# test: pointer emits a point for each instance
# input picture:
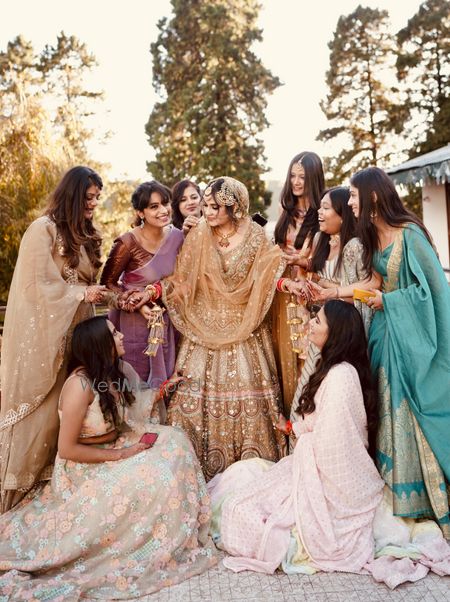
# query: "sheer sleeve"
(354, 271)
(117, 261)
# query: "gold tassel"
(297, 320)
(155, 327)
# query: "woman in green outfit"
(409, 344)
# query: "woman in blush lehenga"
(122, 516)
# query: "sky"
(119, 34)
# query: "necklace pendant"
(224, 242)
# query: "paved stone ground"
(221, 585)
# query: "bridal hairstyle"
(94, 349)
(66, 208)
(177, 194)
(346, 342)
(373, 183)
(140, 199)
(339, 200)
(313, 192)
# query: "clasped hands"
(133, 299)
(95, 293)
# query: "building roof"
(430, 167)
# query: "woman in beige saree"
(52, 289)
(218, 298)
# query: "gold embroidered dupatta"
(215, 303)
(45, 302)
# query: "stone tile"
(223, 586)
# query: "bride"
(218, 298)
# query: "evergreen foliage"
(423, 66)
(213, 89)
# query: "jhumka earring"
(142, 223)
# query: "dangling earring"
(373, 215)
(142, 223)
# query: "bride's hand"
(146, 312)
(281, 425)
(299, 289)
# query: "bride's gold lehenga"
(219, 302)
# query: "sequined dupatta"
(214, 304)
(45, 301)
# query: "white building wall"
(435, 219)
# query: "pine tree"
(213, 90)
(64, 67)
(37, 92)
(423, 66)
(30, 162)
(362, 109)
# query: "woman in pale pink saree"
(322, 508)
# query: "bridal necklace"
(223, 238)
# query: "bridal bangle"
(155, 290)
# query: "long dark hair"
(94, 349)
(177, 194)
(388, 206)
(346, 342)
(313, 191)
(339, 200)
(66, 208)
(140, 198)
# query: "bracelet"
(288, 427)
(280, 285)
(155, 291)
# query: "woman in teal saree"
(409, 345)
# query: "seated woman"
(336, 261)
(119, 518)
(315, 509)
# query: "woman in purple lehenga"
(138, 258)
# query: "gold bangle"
(284, 287)
(151, 290)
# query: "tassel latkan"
(155, 327)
